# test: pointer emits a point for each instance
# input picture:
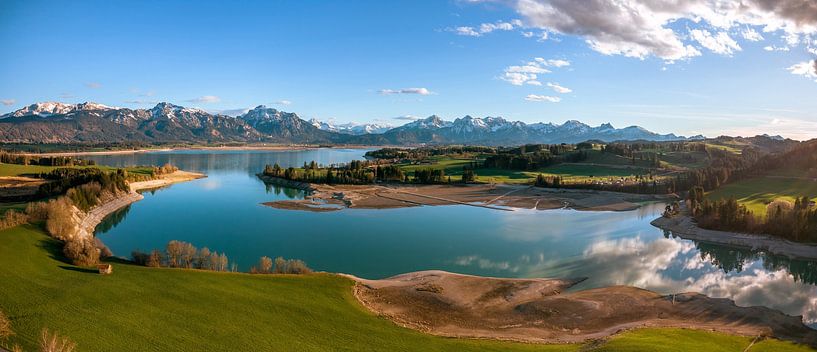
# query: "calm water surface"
(224, 212)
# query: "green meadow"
(755, 193)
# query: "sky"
(712, 67)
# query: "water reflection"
(290, 193)
(670, 265)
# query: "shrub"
(155, 259)
(12, 218)
(81, 252)
(140, 257)
(37, 211)
(52, 342)
(60, 223)
(5, 326)
(291, 266)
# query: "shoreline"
(87, 222)
(685, 227)
(541, 311)
(504, 197)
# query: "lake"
(224, 213)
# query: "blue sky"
(682, 70)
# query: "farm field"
(755, 193)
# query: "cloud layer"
(644, 28)
(206, 99)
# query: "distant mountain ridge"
(52, 122)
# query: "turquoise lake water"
(224, 213)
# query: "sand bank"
(502, 196)
(538, 310)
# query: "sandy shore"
(538, 310)
(501, 196)
(685, 227)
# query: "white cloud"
(232, 112)
(486, 28)
(283, 102)
(529, 72)
(8, 102)
(407, 118)
(807, 69)
(542, 98)
(93, 85)
(776, 48)
(420, 91)
(467, 31)
(141, 102)
(559, 89)
(206, 99)
(643, 28)
(751, 35)
(527, 34)
(554, 63)
(720, 43)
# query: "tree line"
(180, 254)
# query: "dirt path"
(539, 310)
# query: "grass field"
(570, 172)
(146, 309)
(756, 193)
(21, 170)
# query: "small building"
(105, 269)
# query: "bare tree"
(203, 259)
(174, 253)
(280, 265)
(265, 264)
(82, 252)
(52, 342)
(5, 326)
(155, 259)
(223, 262)
(213, 261)
(188, 254)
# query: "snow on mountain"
(45, 109)
(431, 122)
(352, 128)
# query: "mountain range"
(91, 123)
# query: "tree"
(155, 259)
(174, 253)
(265, 265)
(52, 342)
(188, 255)
(280, 265)
(82, 252)
(203, 261)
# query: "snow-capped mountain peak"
(49, 108)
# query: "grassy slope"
(756, 192)
(19, 170)
(140, 308)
